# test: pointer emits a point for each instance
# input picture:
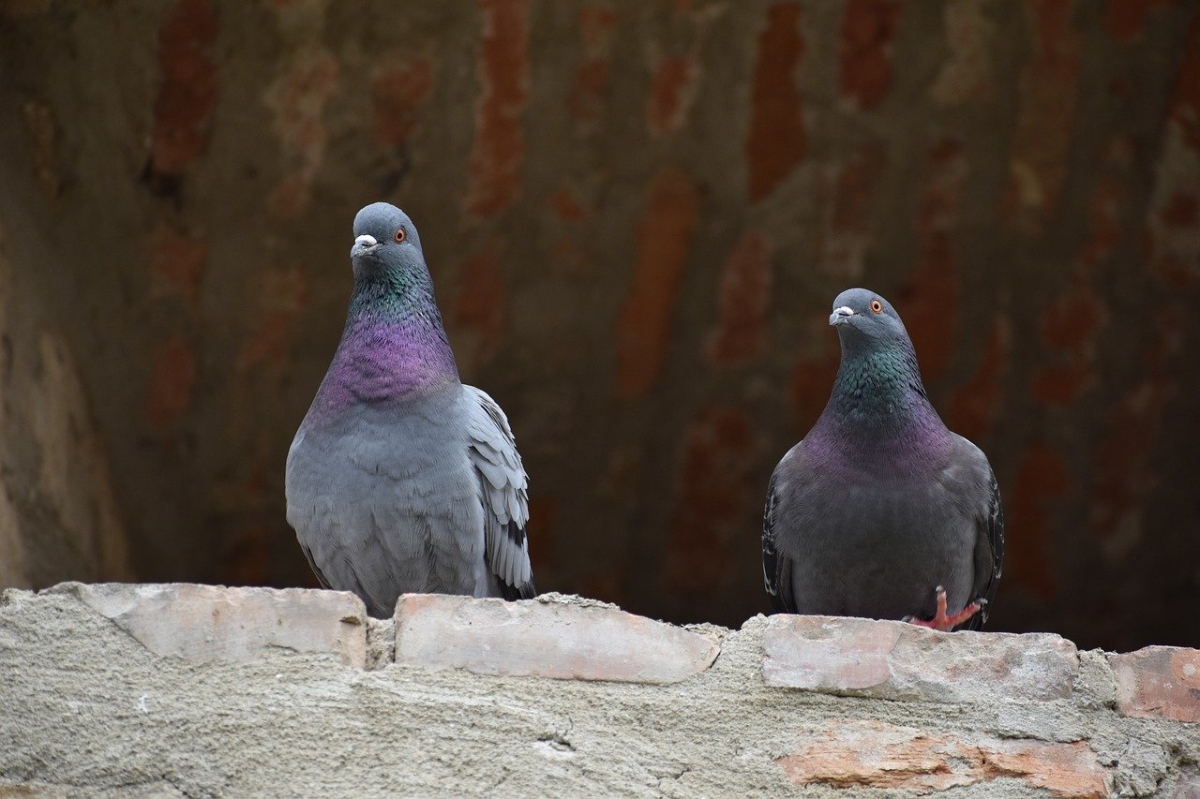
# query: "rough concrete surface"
(636, 215)
(88, 710)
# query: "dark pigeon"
(401, 479)
(881, 511)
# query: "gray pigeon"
(881, 511)
(400, 478)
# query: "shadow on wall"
(636, 217)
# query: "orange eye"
(876, 306)
(400, 235)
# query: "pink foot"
(945, 623)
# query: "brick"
(976, 403)
(743, 303)
(172, 381)
(898, 661)
(776, 139)
(499, 146)
(178, 261)
(400, 87)
(663, 241)
(213, 623)
(1049, 86)
(1158, 682)
(714, 497)
(935, 284)
(672, 91)
(872, 754)
(189, 85)
(865, 50)
(480, 300)
(596, 24)
(545, 638)
(1042, 480)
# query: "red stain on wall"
(1182, 211)
(811, 382)
(596, 24)
(776, 140)
(975, 405)
(1042, 478)
(172, 380)
(1071, 325)
(282, 295)
(568, 206)
(1049, 83)
(865, 50)
(480, 300)
(929, 302)
(1185, 111)
(189, 85)
(663, 239)
(714, 499)
(1125, 471)
(1126, 19)
(671, 90)
(504, 76)
(399, 88)
(743, 300)
(1172, 243)
(178, 259)
(845, 233)
(298, 98)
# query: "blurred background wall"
(636, 215)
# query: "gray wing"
(777, 567)
(504, 492)
(989, 542)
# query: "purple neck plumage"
(393, 348)
(879, 419)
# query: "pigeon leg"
(943, 622)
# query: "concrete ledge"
(893, 660)
(121, 691)
(545, 638)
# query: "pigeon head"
(866, 320)
(386, 245)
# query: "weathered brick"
(663, 241)
(1042, 481)
(872, 754)
(172, 379)
(898, 661)
(214, 623)
(1158, 682)
(499, 144)
(672, 92)
(743, 302)
(545, 638)
(189, 85)
(865, 50)
(776, 139)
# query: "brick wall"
(170, 690)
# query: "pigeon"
(881, 511)
(401, 479)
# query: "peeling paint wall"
(636, 216)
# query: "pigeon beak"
(363, 245)
(840, 315)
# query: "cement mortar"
(85, 705)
